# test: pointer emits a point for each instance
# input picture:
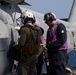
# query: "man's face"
(49, 23)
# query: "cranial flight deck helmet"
(27, 16)
(49, 17)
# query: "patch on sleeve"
(62, 31)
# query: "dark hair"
(49, 17)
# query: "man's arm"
(22, 38)
(41, 48)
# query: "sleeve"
(22, 38)
(62, 37)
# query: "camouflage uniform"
(29, 43)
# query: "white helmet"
(27, 15)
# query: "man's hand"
(40, 50)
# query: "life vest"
(52, 36)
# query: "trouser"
(39, 64)
(8, 69)
(58, 62)
(28, 66)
